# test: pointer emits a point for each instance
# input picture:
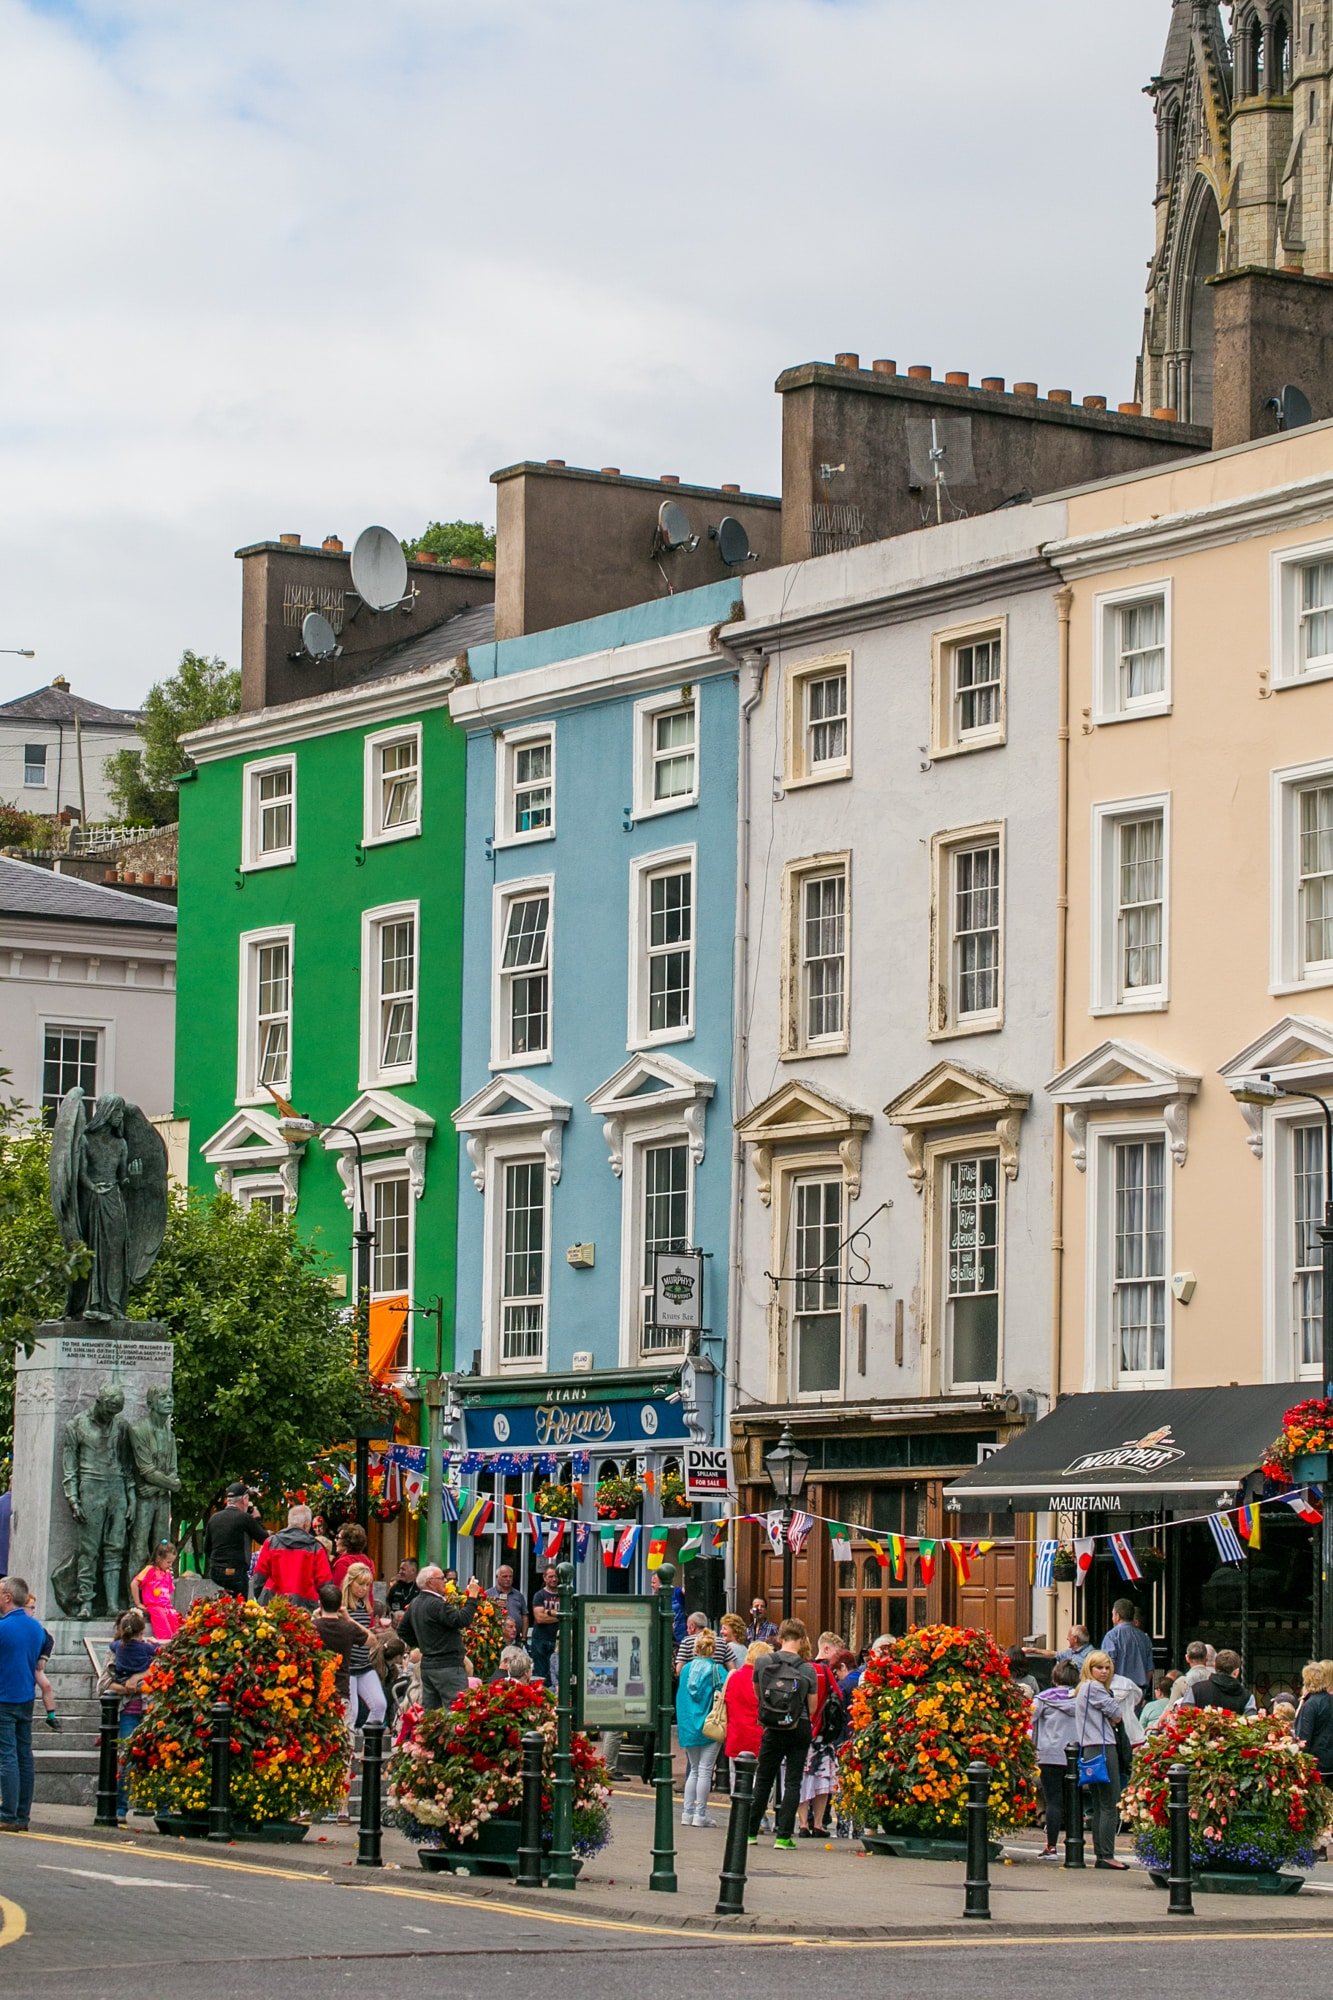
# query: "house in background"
(53, 751)
(87, 990)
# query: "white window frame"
(646, 716)
(1109, 704)
(796, 1041)
(249, 1090)
(391, 1167)
(1108, 996)
(1287, 567)
(1101, 1365)
(944, 1158)
(634, 1296)
(675, 860)
(373, 923)
(105, 1030)
(246, 1189)
(252, 859)
(809, 1174)
(507, 745)
(520, 1150)
(949, 738)
(1290, 973)
(801, 769)
(503, 895)
(374, 833)
(946, 1023)
(1281, 1336)
(36, 784)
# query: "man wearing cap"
(226, 1542)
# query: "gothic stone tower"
(1244, 194)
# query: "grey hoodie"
(1054, 1726)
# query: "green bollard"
(664, 1819)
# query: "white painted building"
(53, 751)
(896, 925)
(87, 990)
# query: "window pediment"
(512, 1105)
(802, 1115)
(644, 1088)
(384, 1124)
(1297, 1050)
(951, 1098)
(1119, 1076)
(253, 1142)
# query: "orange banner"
(388, 1323)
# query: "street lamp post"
(1263, 1090)
(787, 1466)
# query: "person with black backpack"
(828, 1733)
(786, 1690)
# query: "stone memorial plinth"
(72, 1362)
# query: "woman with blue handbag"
(1097, 1712)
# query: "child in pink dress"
(153, 1591)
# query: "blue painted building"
(599, 928)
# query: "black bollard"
(219, 1746)
(530, 1814)
(976, 1888)
(731, 1884)
(1180, 1881)
(372, 1816)
(1073, 1811)
(108, 1747)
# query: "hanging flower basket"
(924, 1710)
(1306, 1434)
(554, 1501)
(1256, 1803)
(671, 1494)
(1064, 1569)
(618, 1499)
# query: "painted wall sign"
(559, 1426)
(1144, 1455)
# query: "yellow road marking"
(573, 1920)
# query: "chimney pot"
(610, 472)
(460, 562)
(847, 360)
(958, 378)
(884, 367)
(1059, 395)
(1165, 416)
(668, 479)
(995, 383)
(731, 489)
(1130, 409)
(555, 461)
(488, 566)
(1094, 402)
(1025, 388)
(290, 541)
(920, 373)
(331, 545)
(426, 556)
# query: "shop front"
(883, 1471)
(602, 1450)
(1141, 1491)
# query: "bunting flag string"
(961, 1561)
(897, 1551)
(1228, 1542)
(554, 1539)
(840, 1537)
(773, 1528)
(692, 1544)
(657, 1548)
(1303, 1505)
(511, 1523)
(582, 1537)
(926, 1553)
(717, 1538)
(1125, 1560)
(449, 1505)
(1247, 1523)
(798, 1534)
(478, 1514)
(627, 1545)
(880, 1555)
(1085, 1547)
(1045, 1573)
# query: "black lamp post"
(1263, 1090)
(787, 1466)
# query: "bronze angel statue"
(109, 1192)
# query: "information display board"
(615, 1663)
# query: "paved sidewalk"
(823, 1890)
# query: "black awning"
(1116, 1451)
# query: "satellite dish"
(673, 528)
(733, 544)
(1293, 408)
(379, 569)
(318, 636)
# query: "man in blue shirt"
(1129, 1646)
(22, 1639)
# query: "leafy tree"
(200, 691)
(455, 538)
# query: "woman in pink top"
(153, 1591)
(743, 1726)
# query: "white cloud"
(305, 265)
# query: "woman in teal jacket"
(700, 1680)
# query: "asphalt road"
(78, 1918)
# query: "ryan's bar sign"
(1143, 1455)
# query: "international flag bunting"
(582, 1537)
(926, 1551)
(1247, 1521)
(897, 1550)
(625, 1547)
(881, 1556)
(1228, 1545)
(961, 1561)
(1084, 1549)
(773, 1529)
(692, 1544)
(717, 1538)
(840, 1539)
(449, 1505)
(1301, 1503)
(511, 1522)
(607, 1537)
(1045, 1574)
(1125, 1559)
(981, 1549)
(657, 1548)
(798, 1534)
(555, 1535)
(650, 1483)
(478, 1514)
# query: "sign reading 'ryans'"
(705, 1473)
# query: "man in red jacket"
(292, 1563)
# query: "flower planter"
(194, 1826)
(919, 1847)
(494, 1851)
(182, 1826)
(1310, 1469)
(1241, 1882)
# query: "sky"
(301, 265)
